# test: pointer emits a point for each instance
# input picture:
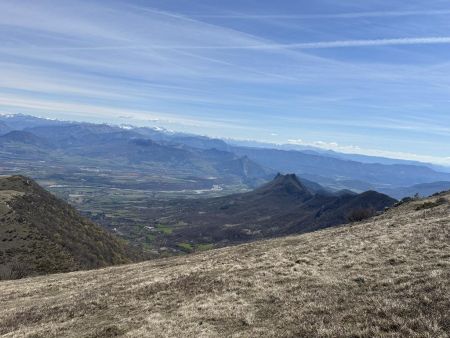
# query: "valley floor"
(388, 277)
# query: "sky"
(369, 77)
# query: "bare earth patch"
(386, 277)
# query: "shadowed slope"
(23, 137)
(281, 207)
(285, 186)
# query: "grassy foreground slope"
(388, 277)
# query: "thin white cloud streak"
(434, 40)
(368, 43)
(356, 15)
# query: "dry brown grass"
(386, 277)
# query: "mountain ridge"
(332, 170)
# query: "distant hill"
(386, 277)
(22, 145)
(24, 137)
(41, 234)
(280, 207)
(4, 128)
(423, 190)
(200, 142)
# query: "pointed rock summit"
(288, 185)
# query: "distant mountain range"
(40, 234)
(330, 153)
(185, 161)
(282, 206)
(129, 147)
(116, 148)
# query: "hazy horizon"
(367, 78)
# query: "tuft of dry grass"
(386, 277)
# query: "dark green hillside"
(41, 234)
(281, 207)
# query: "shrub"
(429, 205)
(361, 214)
(13, 270)
(185, 247)
(403, 201)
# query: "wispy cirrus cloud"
(354, 15)
(433, 40)
(356, 43)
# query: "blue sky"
(370, 77)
